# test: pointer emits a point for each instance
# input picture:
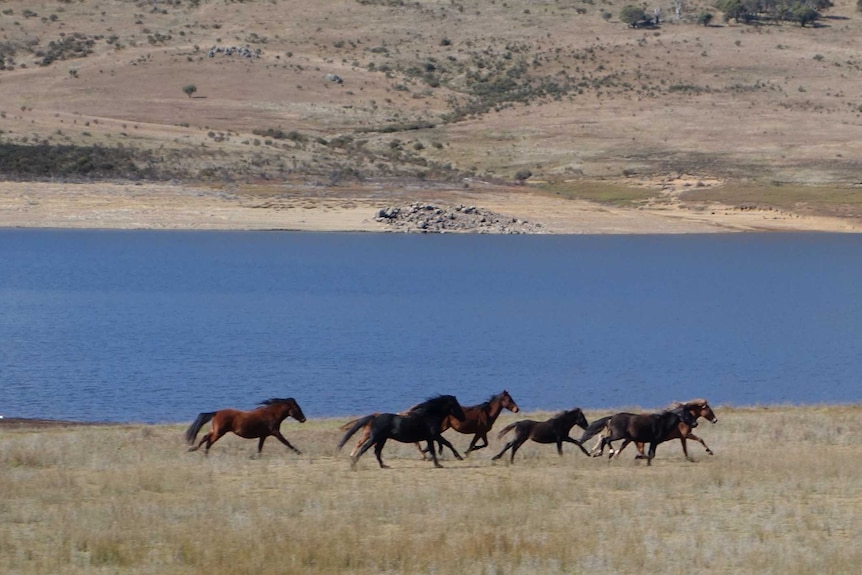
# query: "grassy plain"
(782, 495)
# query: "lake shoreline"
(156, 206)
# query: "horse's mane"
(276, 400)
(696, 401)
(430, 403)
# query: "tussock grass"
(783, 494)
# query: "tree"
(738, 10)
(704, 18)
(523, 175)
(189, 90)
(804, 15)
(632, 15)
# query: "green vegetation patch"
(602, 192)
(41, 160)
(780, 195)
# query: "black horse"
(422, 423)
(652, 428)
(554, 430)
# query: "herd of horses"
(425, 423)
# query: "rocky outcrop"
(431, 219)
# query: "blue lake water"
(150, 326)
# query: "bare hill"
(559, 94)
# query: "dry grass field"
(782, 495)
(457, 91)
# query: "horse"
(650, 428)
(479, 421)
(697, 408)
(422, 423)
(554, 430)
(258, 423)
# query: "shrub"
(632, 15)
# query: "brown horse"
(697, 408)
(650, 428)
(259, 423)
(554, 430)
(479, 419)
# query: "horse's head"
(702, 409)
(284, 407)
(681, 414)
(508, 403)
(571, 417)
(294, 410)
(580, 418)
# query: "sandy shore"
(166, 206)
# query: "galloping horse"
(259, 423)
(480, 419)
(696, 408)
(422, 423)
(650, 428)
(554, 430)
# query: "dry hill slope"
(304, 94)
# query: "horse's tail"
(595, 427)
(193, 429)
(357, 425)
(349, 424)
(506, 429)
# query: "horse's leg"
(639, 445)
(620, 450)
(502, 451)
(421, 451)
(570, 439)
(443, 441)
(277, 434)
(361, 440)
(473, 447)
(699, 440)
(260, 443)
(684, 447)
(203, 440)
(211, 437)
(651, 453)
(519, 441)
(365, 447)
(599, 448)
(377, 451)
(434, 453)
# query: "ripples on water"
(157, 326)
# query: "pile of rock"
(242, 52)
(430, 219)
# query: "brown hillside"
(560, 93)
